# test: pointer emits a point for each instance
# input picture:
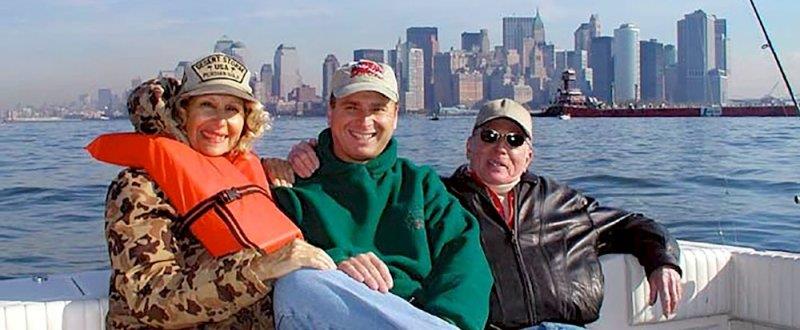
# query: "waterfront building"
(468, 87)
(427, 39)
(105, 101)
(266, 76)
(625, 50)
(303, 93)
(699, 36)
(329, 66)
(497, 83)
(445, 66)
(602, 63)
(413, 89)
(653, 65)
(287, 71)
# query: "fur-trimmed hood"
(153, 110)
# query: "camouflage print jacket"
(160, 278)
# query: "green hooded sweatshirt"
(403, 214)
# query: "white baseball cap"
(364, 75)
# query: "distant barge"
(572, 103)
(751, 111)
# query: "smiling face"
(498, 163)
(214, 123)
(362, 125)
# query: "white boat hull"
(724, 288)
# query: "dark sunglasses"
(491, 136)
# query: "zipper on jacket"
(512, 234)
(521, 267)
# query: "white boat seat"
(724, 288)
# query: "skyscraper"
(477, 42)
(538, 29)
(427, 39)
(721, 44)
(236, 49)
(468, 87)
(267, 77)
(446, 64)
(670, 73)
(652, 61)
(414, 80)
(602, 63)
(585, 33)
(105, 101)
(697, 56)
(515, 30)
(287, 71)
(626, 63)
(670, 55)
(329, 66)
(562, 61)
(397, 58)
(375, 55)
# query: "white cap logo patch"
(218, 66)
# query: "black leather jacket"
(547, 268)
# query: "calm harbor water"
(718, 180)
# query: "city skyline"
(58, 66)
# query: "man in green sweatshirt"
(386, 222)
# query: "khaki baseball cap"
(505, 108)
(364, 75)
(217, 73)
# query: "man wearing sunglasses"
(542, 238)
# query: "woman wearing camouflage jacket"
(165, 279)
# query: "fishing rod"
(778, 61)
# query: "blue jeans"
(554, 326)
(329, 299)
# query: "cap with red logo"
(364, 75)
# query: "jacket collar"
(461, 176)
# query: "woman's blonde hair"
(256, 121)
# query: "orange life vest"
(225, 203)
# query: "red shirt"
(498, 204)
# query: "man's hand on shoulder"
(666, 282)
(279, 172)
(303, 158)
(370, 270)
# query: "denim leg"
(315, 299)
(554, 326)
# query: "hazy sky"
(55, 50)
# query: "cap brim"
(487, 120)
(366, 86)
(219, 89)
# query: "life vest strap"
(221, 198)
